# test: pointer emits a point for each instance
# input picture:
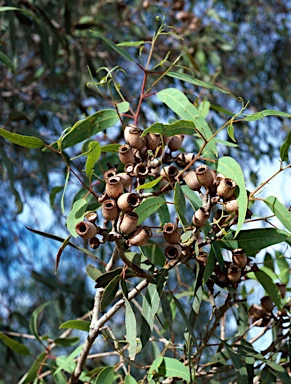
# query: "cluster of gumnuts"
(152, 155)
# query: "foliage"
(166, 288)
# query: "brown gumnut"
(126, 179)
(267, 304)
(191, 180)
(94, 243)
(109, 209)
(233, 273)
(204, 176)
(184, 159)
(114, 187)
(200, 217)
(127, 202)
(282, 289)
(170, 171)
(256, 312)
(174, 251)
(152, 141)
(125, 154)
(171, 233)
(175, 142)
(133, 137)
(226, 188)
(141, 170)
(239, 257)
(91, 217)
(202, 258)
(140, 236)
(128, 223)
(86, 230)
(231, 205)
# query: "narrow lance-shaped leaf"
(33, 371)
(110, 292)
(93, 156)
(130, 323)
(60, 251)
(181, 127)
(148, 207)
(150, 184)
(264, 113)
(180, 203)
(253, 240)
(171, 367)
(284, 268)
(69, 359)
(179, 103)
(239, 365)
(81, 325)
(105, 278)
(230, 168)
(284, 150)
(279, 210)
(33, 322)
(6, 61)
(270, 287)
(23, 141)
(14, 345)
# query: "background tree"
(46, 52)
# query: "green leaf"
(253, 240)
(93, 272)
(284, 268)
(154, 368)
(76, 215)
(181, 127)
(193, 197)
(270, 287)
(88, 127)
(105, 278)
(121, 51)
(123, 106)
(279, 371)
(54, 192)
(147, 207)
(210, 265)
(179, 103)
(67, 341)
(105, 376)
(239, 364)
(269, 262)
(6, 61)
(192, 80)
(284, 150)
(33, 371)
(150, 184)
(66, 363)
(217, 253)
(264, 113)
(60, 251)
(93, 156)
(110, 148)
(204, 108)
(279, 210)
(180, 203)
(5, 9)
(82, 325)
(14, 345)
(171, 367)
(130, 43)
(110, 292)
(230, 132)
(64, 191)
(130, 380)
(230, 168)
(23, 141)
(150, 304)
(130, 323)
(33, 326)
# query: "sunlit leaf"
(253, 240)
(14, 345)
(110, 292)
(123, 106)
(105, 376)
(230, 132)
(284, 268)
(63, 363)
(93, 156)
(279, 210)
(147, 207)
(230, 168)
(284, 150)
(130, 323)
(171, 367)
(181, 127)
(121, 51)
(150, 184)
(130, 43)
(130, 380)
(110, 148)
(82, 325)
(264, 113)
(23, 141)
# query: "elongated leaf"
(93, 156)
(65, 362)
(110, 148)
(192, 196)
(60, 251)
(76, 215)
(105, 376)
(279, 210)
(181, 127)
(192, 80)
(253, 240)
(180, 203)
(82, 325)
(150, 184)
(104, 280)
(88, 127)
(239, 364)
(170, 367)
(230, 132)
(269, 262)
(66, 341)
(6, 61)
(14, 345)
(154, 368)
(130, 380)
(179, 103)
(284, 150)
(230, 168)
(150, 305)
(130, 43)
(211, 261)
(164, 214)
(147, 207)
(24, 10)
(32, 373)
(270, 287)
(121, 51)
(33, 326)
(130, 323)
(279, 371)
(54, 192)
(110, 292)
(93, 272)
(264, 113)
(217, 253)
(284, 268)
(23, 141)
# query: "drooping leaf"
(180, 203)
(154, 253)
(279, 371)
(93, 272)
(270, 287)
(284, 150)
(60, 251)
(164, 214)
(23, 141)
(284, 268)
(192, 80)
(192, 196)
(33, 371)
(64, 191)
(179, 103)
(211, 261)
(230, 168)
(253, 240)
(279, 210)
(150, 304)
(130, 43)
(33, 322)
(147, 207)
(171, 367)
(14, 345)
(6, 61)
(93, 156)
(76, 215)
(239, 364)
(264, 113)
(119, 50)
(66, 341)
(150, 184)
(181, 127)
(88, 127)
(82, 325)
(110, 292)
(230, 132)
(54, 192)
(105, 376)
(130, 323)
(105, 278)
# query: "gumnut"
(140, 236)
(204, 176)
(174, 251)
(86, 230)
(171, 233)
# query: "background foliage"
(48, 54)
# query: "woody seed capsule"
(204, 176)
(191, 180)
(128, 202)
(114, 187)
(171, 233)
(126, 179)
(267, 304)
(226, 188)
(231, 205)
(133, 137)
(109, 210)
(202, 258)
(140, 236)
(200, 217)
(233, 273)
(86, 230)
(171, 171)
(152, 141)
(128, 223)
(239, 257)
(125, 154)
(174, 251)
(175, 142)
(91, 217)
(141, 171)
